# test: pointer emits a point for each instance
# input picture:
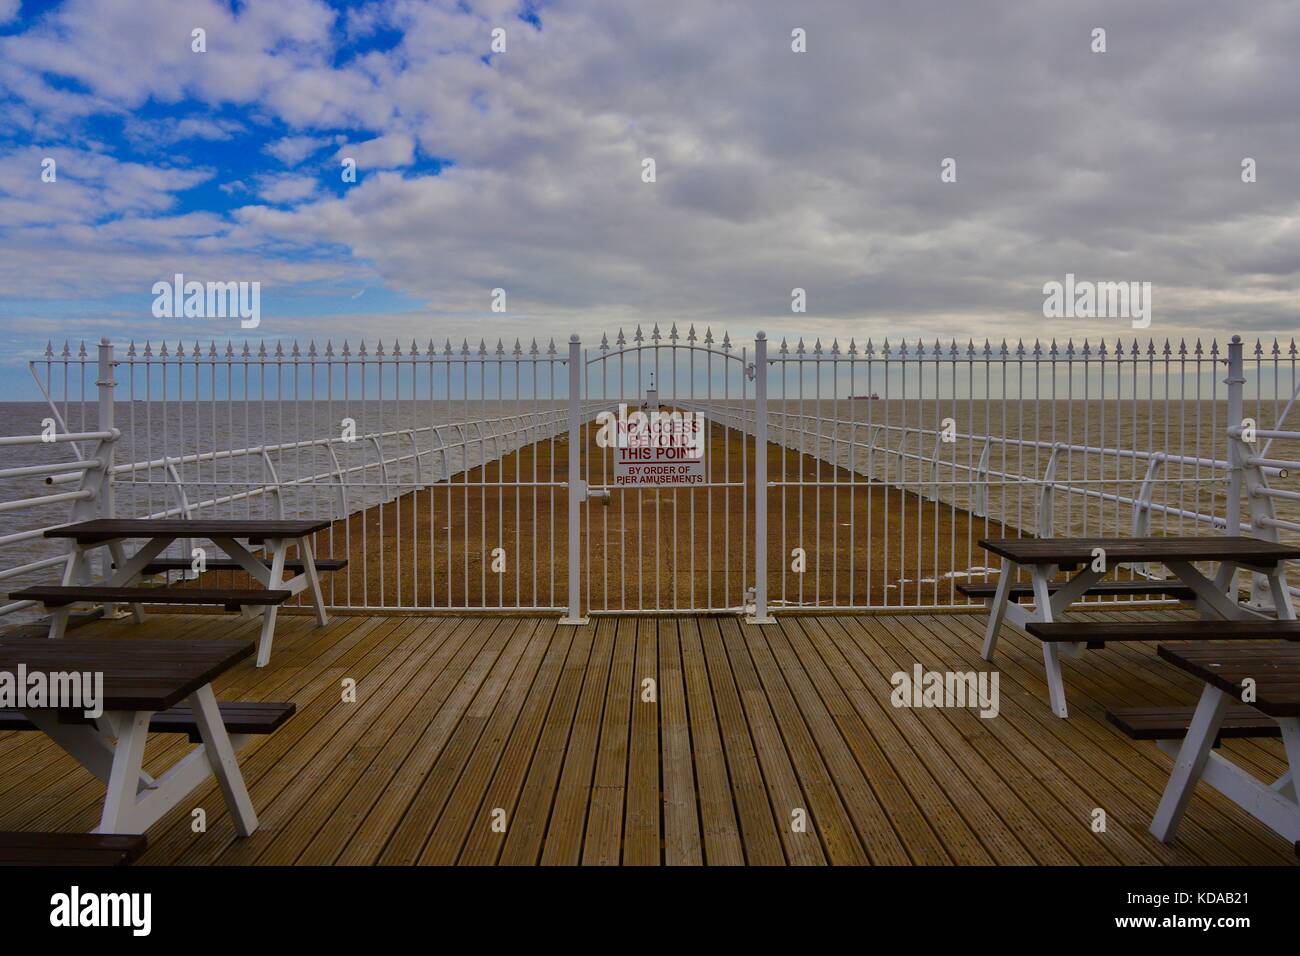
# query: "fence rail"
(471, 478)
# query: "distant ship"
(865, 398)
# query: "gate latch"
(601, 493)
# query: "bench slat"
(20, 848)
(1171, 723)
(230, 598)
(225, 564)
(1019, 591)
(1095, 633)
(240, 717)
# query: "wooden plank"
(277, 765)
(483, 844)
(527, 833)
(414, 746)
(1253, 551)
(641, 829)
(1075, 630)
(785, 788)
(138, 675)
(930, 838)
(604, 842)
(929, 772)
(681, 817)
(468, 809)
(982, 760)
(569, 815)
(1275, 669)
(838, 792)
(471, 755)
(283, 830)
(761, 833)
(721, 833)
(477, 689)
(109, 529)
(324, 823)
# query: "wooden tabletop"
(138, 675)
(1244, 550)
(110, 529)
(1275, 668)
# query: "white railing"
(448, 474)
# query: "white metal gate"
(656, 549)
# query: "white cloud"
(385, 152)
(285, 188)
(9, 10)
(292, 150)
(775, 169)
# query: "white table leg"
(91, 747)
(998, 609)
(309, 565)
(221, 757)
(1190, 762)
(123, 780)
(119, 560)
(1208, 592)
(273, 581)
(1277, 585)
(1051, 653)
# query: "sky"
(523, 168)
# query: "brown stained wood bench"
(232, 599)
(1095, 634)
(161, 565)
(231, 536)
(135, 681)
(1183, 559)
(1266, 676)
(1021, 592)
(70, 849)
(1171, 723)
(241, 719)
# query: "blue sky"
(521, 169)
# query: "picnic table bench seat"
(1095, 634)
(1170, 722)
(235, 537)
(20, 848)
(1019, 592)
(160, 565)
(232, 599)
(239, 717)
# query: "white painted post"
(577, 489)
(761, 615)
(106, 384)
(1235, 380)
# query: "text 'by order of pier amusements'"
(654, 448)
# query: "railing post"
(761, 615)
(577, 489)
(1235, 381)
(105, 383)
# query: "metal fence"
(470, 478)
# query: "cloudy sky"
(522, 169)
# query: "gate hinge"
(750, 371)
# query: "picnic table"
(1044, 558)
(141, 679)
(1274, 670)
(276, 536)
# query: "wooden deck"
(463, 722)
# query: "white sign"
(658, 448)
